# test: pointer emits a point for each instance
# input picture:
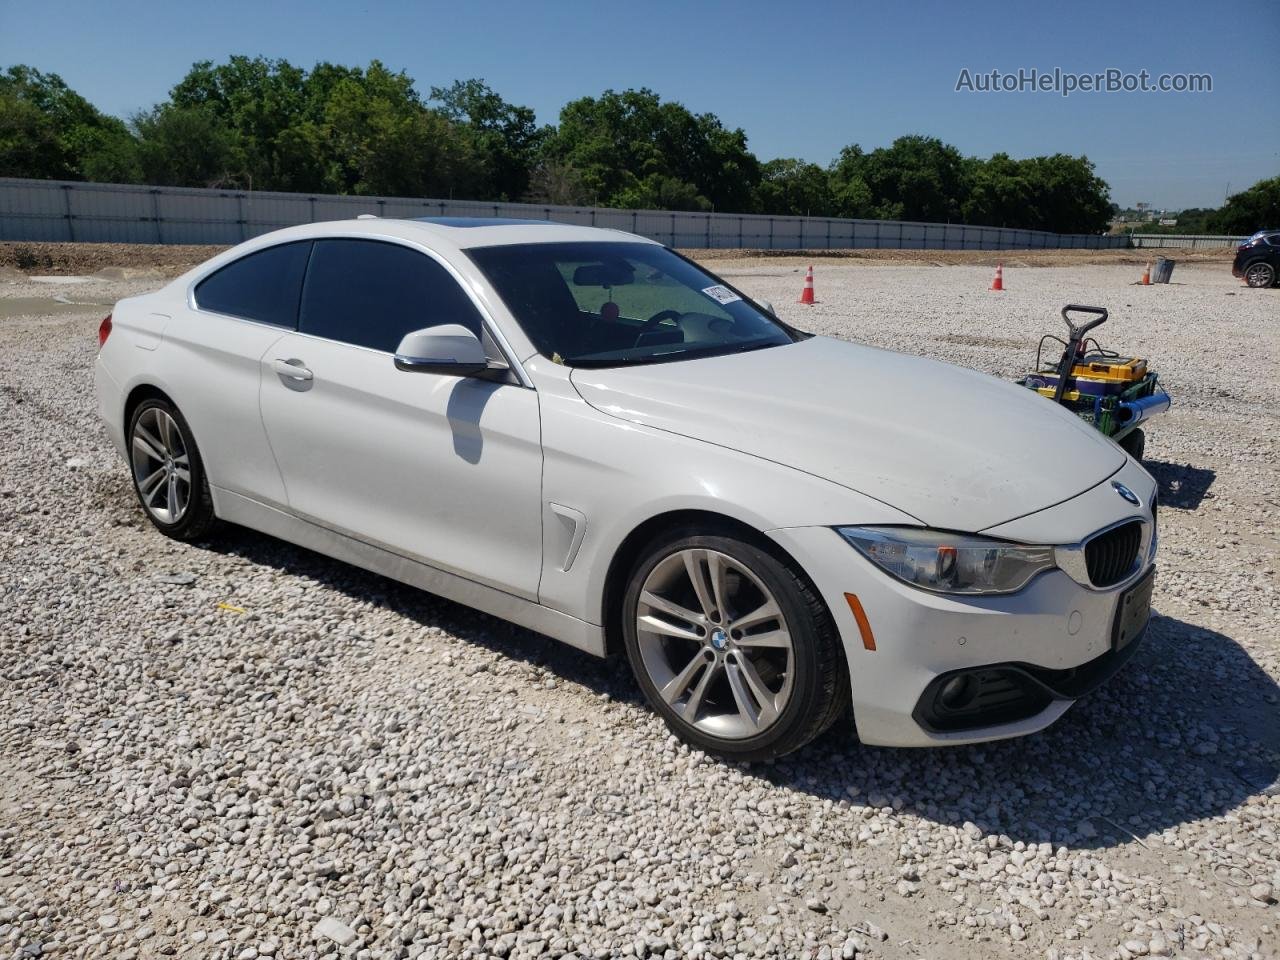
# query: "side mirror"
(768, 307)
(448, 348)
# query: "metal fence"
(117, 213)
(1186, 240)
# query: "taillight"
(104, 330)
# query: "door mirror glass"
(448, 348)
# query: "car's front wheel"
(1260, 275)
(732, 646)
(168, 474)
(1134, 444)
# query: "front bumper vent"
(1110, 556)
(977, 697)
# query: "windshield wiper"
(589, 362)
(757, 345)
(719, 350)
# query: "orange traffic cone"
(997, 282)
(1146, 275)
(806, 295)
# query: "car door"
(443, 469)
(240, 311)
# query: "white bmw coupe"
(583, 432)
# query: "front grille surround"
(1110, 556)
(1074, 558)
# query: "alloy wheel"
(1260, 275)
(715, 644)
(161, 465)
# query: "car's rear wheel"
(1260, 275)
(168, 474)
(732, 647)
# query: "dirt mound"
(945, 258)
(87, 258)
(169, 261)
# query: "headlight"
(949, 562)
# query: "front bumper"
(1052, 641)
(995, 694)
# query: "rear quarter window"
(264, 286)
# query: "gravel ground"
(241, 749)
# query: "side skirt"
(241, 510)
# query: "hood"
(954, 448)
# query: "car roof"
(444, 235)
(464, 232)
(495, 231)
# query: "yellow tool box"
(1071, 396)
(1115, 369)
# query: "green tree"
(257, 100)
(998, 193)
(1257, 208)
(554, 182)
(266, 124)
(630, 146)
(49, 131)
(791, 187)
(505, 137)
(1067, 196)
(922, 178)
(188, 147)
(850, 195)
(915, 178)
(658, 191)
(384, 141)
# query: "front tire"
(732, 647)
(1134, 444)
(1260, 275)
(168, 474)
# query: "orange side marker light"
(860, 615)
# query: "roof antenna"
(367, 216)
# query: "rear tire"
(1134, 444)
(1260, 275)
(168, 474)
(752, 681)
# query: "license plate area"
(1133, 611)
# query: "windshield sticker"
(721, 294)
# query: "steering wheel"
(652, 323)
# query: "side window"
(262, 286)
(371, 294)
(1274, 239)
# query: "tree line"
(264, 124)
(1257, 208)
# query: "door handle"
(293, 369)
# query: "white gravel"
(244, 750)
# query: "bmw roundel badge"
(1125, 492)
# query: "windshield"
(614, 304)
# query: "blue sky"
(802, 80)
